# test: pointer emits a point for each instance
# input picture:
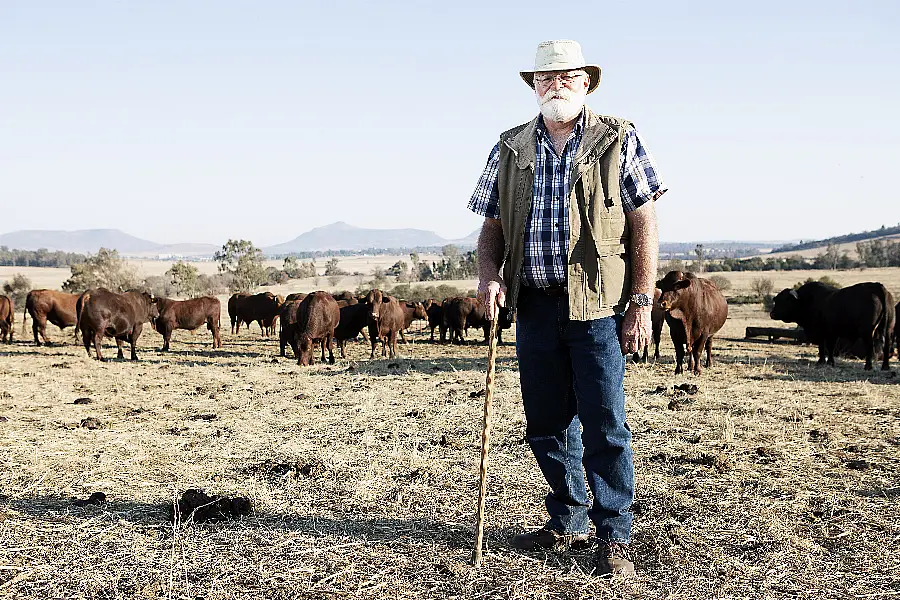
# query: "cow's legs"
(119, 344)
(217, 334)
(870, 351)
(393, 344)
(86, 340)
(39, 327)
(98, 338)
(709, 351)
(822, 354)
(330, 348)
(679, 358)
(133, 338)
(403, 337)
(696, 352)
(341, 344)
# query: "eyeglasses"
(567, 79)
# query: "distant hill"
(341, 236)
(91, 240)
(840, 239)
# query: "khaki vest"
(598, 272)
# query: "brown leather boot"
(546, 539)
(614, 558)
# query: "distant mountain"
(469, 240)
(341, 236)
(91, 240)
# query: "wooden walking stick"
(485, 437)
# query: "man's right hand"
(489, 292)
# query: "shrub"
(762, 287)
(17, 289)
(104, 269)
(721, 282)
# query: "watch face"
(641, 299)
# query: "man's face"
(561, 94)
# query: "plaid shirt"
(547, 226)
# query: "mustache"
(560, 94)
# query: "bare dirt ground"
(777, 479)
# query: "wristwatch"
(641, 299)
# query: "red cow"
(262, 308)
(317, 317)
(49, 305)
(385, 321)
(121, 316)
(7, 308)
(700, 309)
(188, 314)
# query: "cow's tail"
(79, 308)
(884, 326)
(25, 314)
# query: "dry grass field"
(777, 479)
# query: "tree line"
(870, 254)
(38, 258)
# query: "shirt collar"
(541, 130)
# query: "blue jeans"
(572, 378)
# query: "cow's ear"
(793, 294)
(684, 283)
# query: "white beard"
(561, 106)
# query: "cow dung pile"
(195, 505)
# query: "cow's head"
(419, 311)
(668, 282)
(671, 297)
(786, 307)
(374, 300)
(305, 350)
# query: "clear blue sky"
(200, 121)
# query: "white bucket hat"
(561, 55)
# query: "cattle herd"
(304, 320)
(858, 320)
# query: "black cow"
(864, 312)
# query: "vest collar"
(596, 134)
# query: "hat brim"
(593, 72)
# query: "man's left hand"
(637, 328)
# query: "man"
(568, 206)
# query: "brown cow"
(188, 314)
(295, 296)
(460, 313)
(7, 308)
(435, 314)
(121, 316)
(49, 305)
(385, 321)
(288, 320)
(657, 318)
(232, 310)
(262, 308)
(269, 324)
(317, 317)
(411, 312)
(699, 307)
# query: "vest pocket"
(612, 279)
